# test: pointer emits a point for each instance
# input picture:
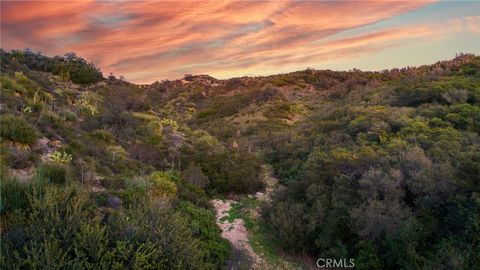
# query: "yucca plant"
(61, 157)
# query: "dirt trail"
(235, 231)
(271, 184)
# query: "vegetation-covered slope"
(382, 167)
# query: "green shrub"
(282, 109)
(42, 236)
(101, 198)
(163, 185)
(51, 173)
(228, 170)
(8, 84)
(135, 188)
(62, 230)
(367, 257)
(163, 235)
(214, 249)
(51, 119)
(103, 135)
(69, 116)
(194, 175)
(138, 183)
(289, 223)
(16, 129)
(72, 67)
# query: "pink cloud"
(149, 40)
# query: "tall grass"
(13, 194)
(51, 173)
(17, 129)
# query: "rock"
(43, 142)
(114, 202)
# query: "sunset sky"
(147, 41)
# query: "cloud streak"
(152, 40)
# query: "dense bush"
(214, 250)
(163, 185)
(228, 170)
(194, 175)
(70, 66)
(59, 231)
(388, 185)
(58, 226)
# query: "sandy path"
(235, 231)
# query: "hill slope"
(381, 167)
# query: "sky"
(146, 41)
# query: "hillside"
(382, 167)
